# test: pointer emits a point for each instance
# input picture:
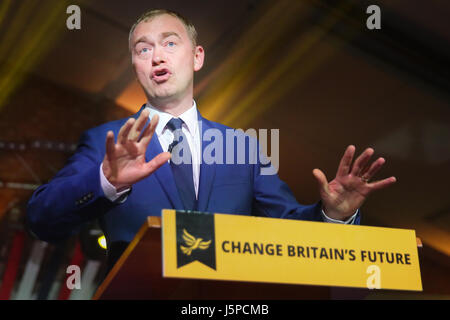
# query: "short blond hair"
(149, 15)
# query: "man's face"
(164, 59)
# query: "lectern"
(219, 256)
(138, 275)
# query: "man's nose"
(158, 56)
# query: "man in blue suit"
(124, 180)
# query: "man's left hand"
(342, 196)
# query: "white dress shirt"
(190, 129)
(192, 132)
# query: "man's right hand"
(124, 162)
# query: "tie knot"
(175, 124)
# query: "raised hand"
(124, 162)
(342, 196)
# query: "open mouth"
(161, 75)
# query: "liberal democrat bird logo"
(193, 243)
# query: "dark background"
(309, 68)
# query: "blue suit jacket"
(59, 208)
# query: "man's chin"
(163, 97)
(162, 93)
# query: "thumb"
(157, 162)
(321, 179)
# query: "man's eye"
(171, 44)
(144, 50)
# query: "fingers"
(136, 129)
(346, 161)
(131, 130)
(148, 132)
(110, 145)
(124, 131)
(375, 166)
(157, 162)
(321, 179)
(361, 162)
(377, 185)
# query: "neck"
(175, 107)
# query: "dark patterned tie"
(181, 163)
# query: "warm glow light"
(132, 97)
(247, 85)
(102, 242)
(31, 34)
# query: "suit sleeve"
(74, 196)
(274, 198)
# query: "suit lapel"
(164, 174)
(207, 171)
(165, 177)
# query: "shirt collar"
(189, 117)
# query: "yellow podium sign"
(245, 248)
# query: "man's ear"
(199, 57)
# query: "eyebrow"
(141, 39)
(163, 36)
(170, 33)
